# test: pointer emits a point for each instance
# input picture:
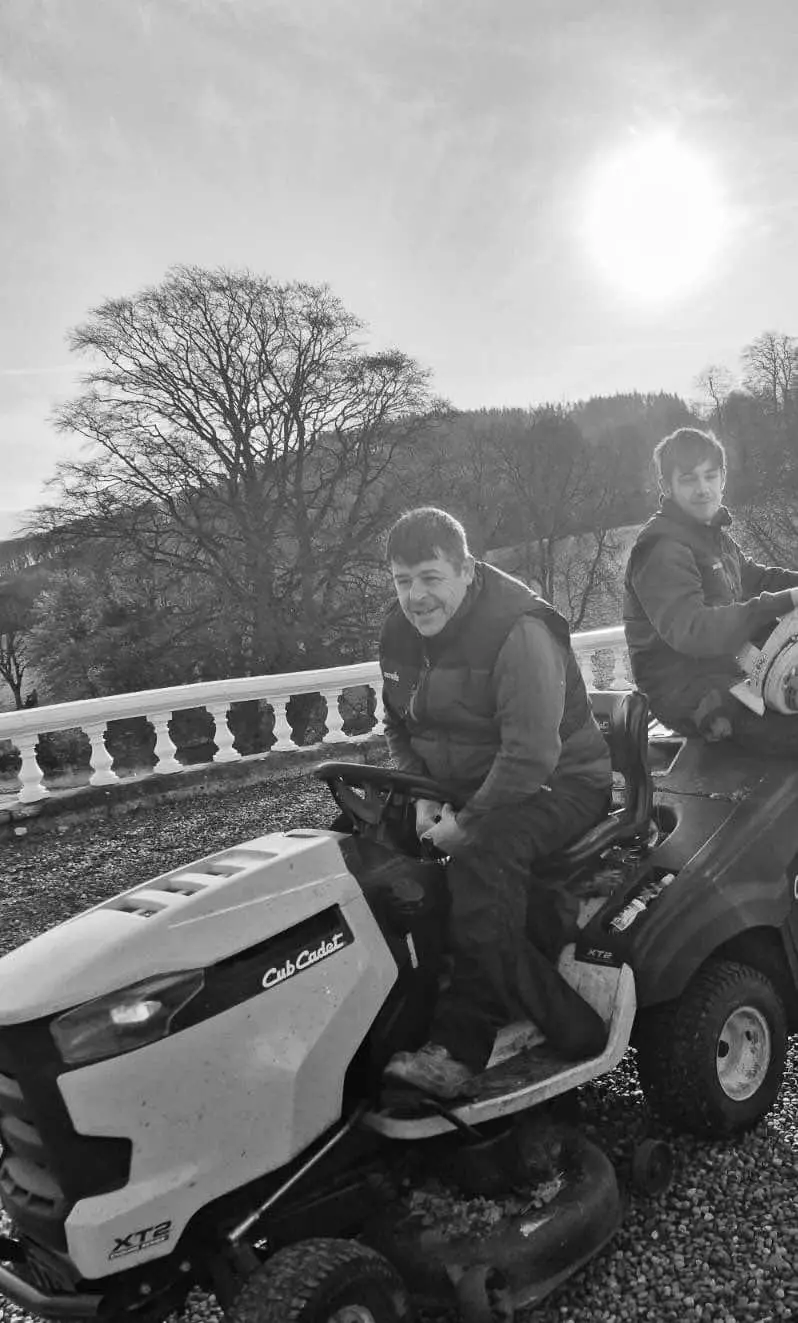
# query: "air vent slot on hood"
(151, 899)
(234, 862)
(186, 884)
(144, 903)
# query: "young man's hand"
(446, 834)
(428, 812)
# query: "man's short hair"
(685, 448)
(426, 533)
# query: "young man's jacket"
(494, 705)
(691, 600)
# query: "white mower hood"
(185, 919)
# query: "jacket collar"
(670, 510)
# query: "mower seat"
(623, 719)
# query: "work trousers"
(773, 734)
(507, 927)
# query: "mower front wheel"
(712, 1061)
(323, 1281)
(652, 1167)
(483, 1296)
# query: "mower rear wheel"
(323, 1281)
(712, 1061)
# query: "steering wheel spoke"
(367, 807)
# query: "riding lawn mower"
(191, 1072)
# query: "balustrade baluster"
(379, 713)
(223, 736)
(284, 736)
(101, 760)
(620, 675)
(333, 721)
(584, 661)
(30, 773)
(164, 748)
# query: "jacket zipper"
(418, 696)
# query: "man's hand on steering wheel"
(364, 793)
(446, 834)
(428, 812)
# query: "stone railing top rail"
(88, 711)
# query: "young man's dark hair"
(423, 533)
(483, 693)
(685, 448)
(692, 599)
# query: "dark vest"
(445, 683)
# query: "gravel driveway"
(720, 1245)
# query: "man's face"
(429, 593)
(699, 491)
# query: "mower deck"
(536, 1244)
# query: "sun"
(655, 219)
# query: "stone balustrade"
(601, 653)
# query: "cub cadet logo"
(306, 958)
(136, 1241)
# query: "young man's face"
(430, 592)
(698, 491)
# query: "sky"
(540, 200)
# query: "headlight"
(122, 1021)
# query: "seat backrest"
(623, 720)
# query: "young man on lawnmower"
(482, 692)
(692, 599)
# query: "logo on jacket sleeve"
(390, 675)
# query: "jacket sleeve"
(398, 740)
(758, 578)
(668, 585)
(529, 681)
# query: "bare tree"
(715, 384)
(771, 370)
(562, 488)
(587, 573)
(771, 529)
(460, 471)
(240, 432)
(15, 616)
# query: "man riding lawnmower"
(483, 693)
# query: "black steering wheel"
(378, 785)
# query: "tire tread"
(669, 1046)
(285, 1285)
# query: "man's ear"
(469, 565)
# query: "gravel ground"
(719, 1245)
